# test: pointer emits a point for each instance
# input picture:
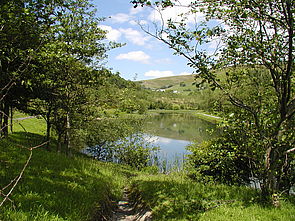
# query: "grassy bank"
(175, 197)
(198, 113)
(53, 186)
(207, 117)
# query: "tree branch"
(290, 150)
(16, 180)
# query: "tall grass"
(58, 188)
(53, 186)
(175, 197)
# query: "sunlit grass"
(175, 197)
(54, 186)
(58, 188)
(34, 125)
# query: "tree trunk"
(274, 167)
(1, 117)
(59, 142)
(68, 135)
(48, 128)
(5, 118)
(11, 119)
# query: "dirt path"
(127, 211)
(24, 118)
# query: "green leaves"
(257, 46)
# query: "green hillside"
(181, 84)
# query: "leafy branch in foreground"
(254, 53)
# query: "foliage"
(56, 49)
(53, 186)
(134, 151)
(220, 161)
(119, 140)
(256, 42)
(241, 146)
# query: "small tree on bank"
(250, 34)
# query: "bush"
(176, 107)
(218, 161)
(182, 84)
(134, 151)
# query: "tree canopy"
(255, 45)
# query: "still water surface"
(173, 132)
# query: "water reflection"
(173, 132)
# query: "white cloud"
(134, 11)
(120, 18)
(140, 22)
(150, 138)
(123, 17)
(134, 36)
(164, 61)
(158, 74)
(164, 140)
(138, 56)
(112, 34)
(174, 13)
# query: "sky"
(143, 57)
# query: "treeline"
(51, 55)
(51, 65)
(199, 99)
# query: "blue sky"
(143, 57)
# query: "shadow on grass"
(52, 183)
(174, 199)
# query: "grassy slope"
(175, 197)
(175, 81)
(54, 187)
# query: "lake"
(172, 132)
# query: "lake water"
(173, 132)
(170, 132)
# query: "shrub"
(218, 161)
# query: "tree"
(19, 36)
(252, 35)
(63, 67)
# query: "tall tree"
(18, 36)
(54, 44)
(75, 42)
(251, 34)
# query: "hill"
(183, 83)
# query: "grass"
(182, 84)
(174, 197)
(207, 117)
(164, 81)
(58, 188)
(198, 113)
(54, 187)
(33, 125)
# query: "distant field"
(181, 84)
(184, 83)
